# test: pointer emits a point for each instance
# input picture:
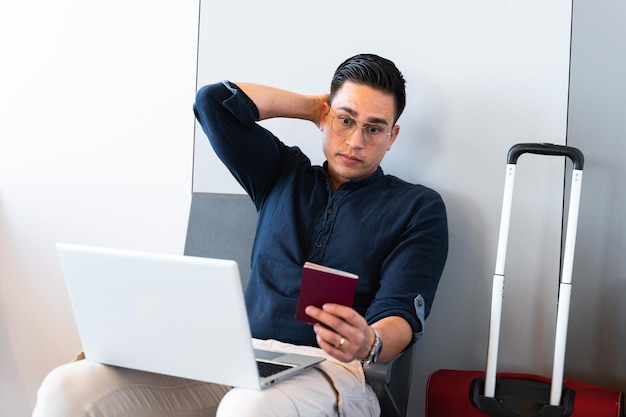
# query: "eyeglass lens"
(345, 126)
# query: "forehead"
(364, 102)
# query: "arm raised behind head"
(273, 102)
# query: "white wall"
(481, 76)
(96, 144)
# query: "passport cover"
(321, 285)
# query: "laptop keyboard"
(268, 368)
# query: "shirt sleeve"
(411, 271)
(250, 152)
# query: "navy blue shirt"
(390, 233)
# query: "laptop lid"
(171, 314)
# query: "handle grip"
(572, 153)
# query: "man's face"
(354, 156)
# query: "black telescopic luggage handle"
(525, 399)
(574, 154)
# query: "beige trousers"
(88, 389)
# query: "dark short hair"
(373, 71)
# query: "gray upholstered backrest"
(222, 226)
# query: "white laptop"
(170, 314)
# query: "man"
(346, 214)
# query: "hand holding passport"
(321, 285)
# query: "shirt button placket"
(322, 234)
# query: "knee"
(249, 403)
(240, 402)
(67, 390)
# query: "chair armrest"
(391, 382)
(377, 374)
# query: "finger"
(326, 319)
(346, 314)
(336, 321)
(337, 350)
(339, 345)
(345, 321)
(329, 335)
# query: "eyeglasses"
(344, 125)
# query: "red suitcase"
(453, 393)
(450, 393)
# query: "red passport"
(321, 285)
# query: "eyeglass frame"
(363, 127)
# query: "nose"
(357, 138)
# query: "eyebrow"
(371, 120)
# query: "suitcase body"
(487, 393)
(449, 393)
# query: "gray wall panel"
(597, 125)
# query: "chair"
(223, 226)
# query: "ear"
(324, 110)
(395, 131)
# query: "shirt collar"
(355, 184)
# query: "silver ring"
(341, 342)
